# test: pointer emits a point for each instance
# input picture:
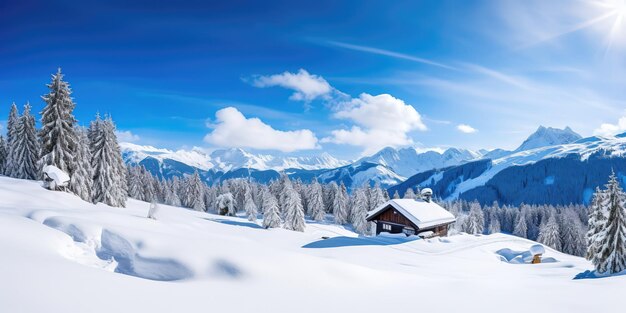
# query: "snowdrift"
(61, 254)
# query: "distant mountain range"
(554, 170)
(552, 165)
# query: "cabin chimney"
(427, 194)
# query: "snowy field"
(60, 254)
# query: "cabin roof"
(421, 213)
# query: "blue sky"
(304, 77)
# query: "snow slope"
(60, 254)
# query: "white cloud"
(464, 128)
(307, 87)
(232, 129)
(380, 121)
(607, 129)
(126, 136)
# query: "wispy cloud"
(464, 128)
(389, 53)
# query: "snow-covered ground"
(60, 254)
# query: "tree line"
(90, 156)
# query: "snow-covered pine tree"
(612, 253)
(109, 172)
(549, 233)
(147, 185)
(171, 196)
(26, 146)
(376, 197)
(494, 225)
(409, 193)
(359, 212)
(572, 233)
(81, 182)
(521, 228)
(249, 206)
(316, 201)
(4, 153)
(597, 220)
(12, 122)
(57, 135)
(135, 186)
(195, 192)
(271, 215)
(396, 195)
(475, 222)
(340, 205)
(294, 212)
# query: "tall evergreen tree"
(521, 228)
(549, 233)
(612, 252)
(316, 202)
(340, 205)
(597, 220)
(109, 172)
(359, 212)
(294, 212)
(195, 192)
(81, 182)
(26, 146)
(4, 154)
(57, 136)
(249, 206)
(271, 215)
(377, 197)
(12, 122)
(409, 194)
(475, 222)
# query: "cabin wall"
(393, 222)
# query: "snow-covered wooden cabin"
(411, 217)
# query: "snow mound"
(520, 257)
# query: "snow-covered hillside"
(229, 159)
(60, 254)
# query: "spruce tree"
(109, 186)
(26, 146)
(316, 202)
(171, 196)
(549, 233)
(597, 220)
(409, 194)
(294, 212)
(396, 195)
(195, 192)
(377, 197)
(271, 215)
(4, 154)
(521, 228)
(340, 205)
(57, 136)
(81, 182)
(249, 206)
(612, 252)
(359, 212)
(11, 161)
(475, 222)
(135, 186)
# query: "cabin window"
(387, 227)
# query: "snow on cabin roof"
(423, 214)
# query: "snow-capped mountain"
(556, 174)
(408, 161)
(226, 160)
(548, 136)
